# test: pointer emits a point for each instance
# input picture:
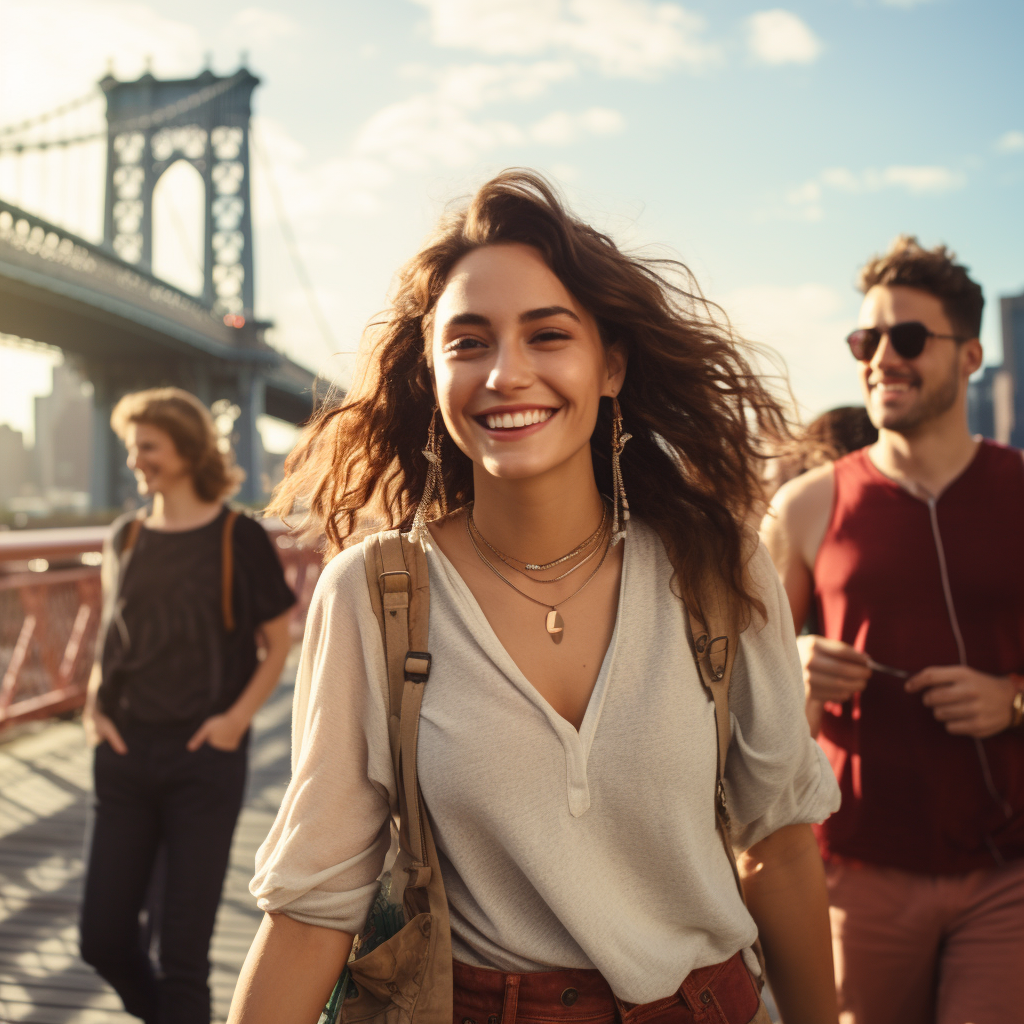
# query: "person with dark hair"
(836, 433)
(568, 751)
(826, 438)
(191, 588)
(911, 551)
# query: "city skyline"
(772, 150)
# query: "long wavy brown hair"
(691, 400)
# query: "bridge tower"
(151, 125)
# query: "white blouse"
(558, 849)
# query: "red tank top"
(915, 797)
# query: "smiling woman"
(693, 404)
(528, 377)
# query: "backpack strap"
(400, 578)
(715, 642)
(227, 571)
(399, 584)
(131, 535)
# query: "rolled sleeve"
(321, 861)
(776, 775)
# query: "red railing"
(50, 612)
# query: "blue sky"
(771, 148)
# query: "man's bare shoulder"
(807, 496)
(798, 517)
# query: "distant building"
(995, 400)
(1012, 309)
(63, 448)
(15, 472)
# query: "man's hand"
(970, 703)
(100, 729)
(832, 670)
(222, 732)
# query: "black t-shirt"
(167, 658)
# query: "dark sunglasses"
(908, 339)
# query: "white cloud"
(560, 128)
(780, 37)
(841, 178)
(624, 38)
(474, 85)
(919, 180)
(1010, 142)
(806, 201)
(806, 325)
(443, 126)
(422, 131)
(903, 3)
(254, 26)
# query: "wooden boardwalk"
(45, 790)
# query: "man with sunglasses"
(911, 551)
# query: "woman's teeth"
(511, 420)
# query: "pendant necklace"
(509, 559)
(553, 621)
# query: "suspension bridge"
(99, 300)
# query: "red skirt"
(723, 993)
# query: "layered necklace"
(599, 541)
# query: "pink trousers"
(927, 949)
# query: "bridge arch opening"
(179, 226)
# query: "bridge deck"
(45, 785)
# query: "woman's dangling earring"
(620, 506)
(433, 489)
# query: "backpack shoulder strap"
(131, 535)
(227, 570)
(399, 584)
(715, 642)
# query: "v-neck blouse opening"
(575, 744)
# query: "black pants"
(159, 795)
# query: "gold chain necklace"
(509, 559)
(558, 561)
(553, 622)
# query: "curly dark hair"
(691, 400)
(934, 271)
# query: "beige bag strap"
(715, 643)
(227, 571)
(131, 535)
(399, 585)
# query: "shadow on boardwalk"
(45, 790)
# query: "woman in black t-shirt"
(189, 588)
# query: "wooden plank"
(45, 791)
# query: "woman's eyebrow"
(544, 312)
(468, 319)
(479, 320)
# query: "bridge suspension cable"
(292, 246)
(138, 124)
(66, 108)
